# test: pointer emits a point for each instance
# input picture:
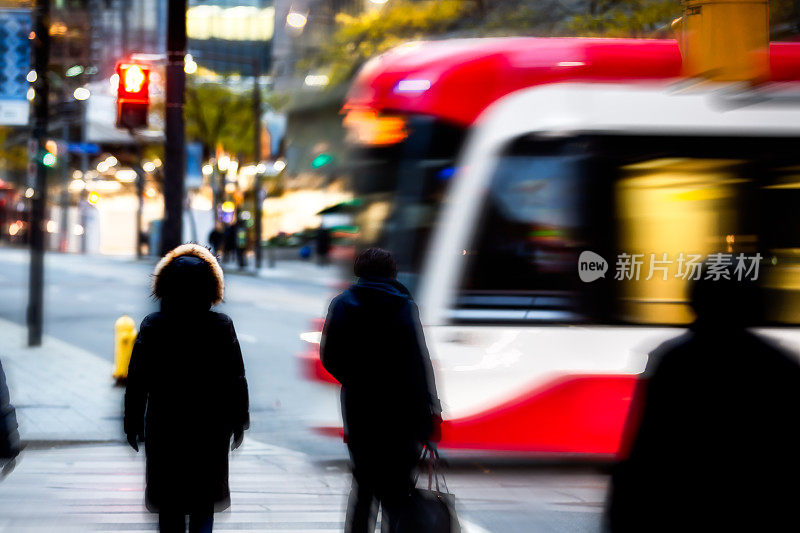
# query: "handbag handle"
(430, 456)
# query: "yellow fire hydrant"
(124, 337)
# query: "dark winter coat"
(712, 439)
(186, 392)
(9, 436)
(372, 343)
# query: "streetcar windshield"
(531, 230)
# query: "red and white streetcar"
(489, 165)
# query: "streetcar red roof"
(457, 79)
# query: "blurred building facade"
(231, 36)
(302, 27)
(122, 27)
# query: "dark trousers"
(169, 522)
(382, 474)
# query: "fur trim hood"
(190, 250)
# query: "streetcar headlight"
(367, 126)
(313, 337)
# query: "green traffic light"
(321, 160)
(49, 160)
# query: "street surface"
(85, 295)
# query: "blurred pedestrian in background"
(372, 343)
(216, 239)
(9, 436)
(323, 245)
(144, 242)
(712, 438)
(229, 243)
(241, 244)
(186, 393)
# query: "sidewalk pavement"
(61, 393)
(100, 487)
(78, 475)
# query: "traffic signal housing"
(49, 156)
(133, 95)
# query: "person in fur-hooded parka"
(186, 392)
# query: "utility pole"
(83, 157)
(41, 57)
(257, 184)
(64, 160)
(172, 228)
(84, 162)
(124, 26)
(141, 176)
(216, 193)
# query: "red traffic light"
(134, 80)
(133, 95)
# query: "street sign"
(15, 53)
(194, 166)
(83, 148)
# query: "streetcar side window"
(683, 198)
(672, 208)
(781, 245)
(661, 202)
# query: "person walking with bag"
(372, 343)
(186, 394)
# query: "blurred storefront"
(298, 210)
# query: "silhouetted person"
(372, 343)
(144, 242)
(712, 438)
(186, 394)
(241, 244)
(216, 239)
(229, 243)
(9, 436)
(322, 240)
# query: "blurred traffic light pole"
(172, 228)
(63, 226)
(133, 103)
(40, 41)
(141, 176)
